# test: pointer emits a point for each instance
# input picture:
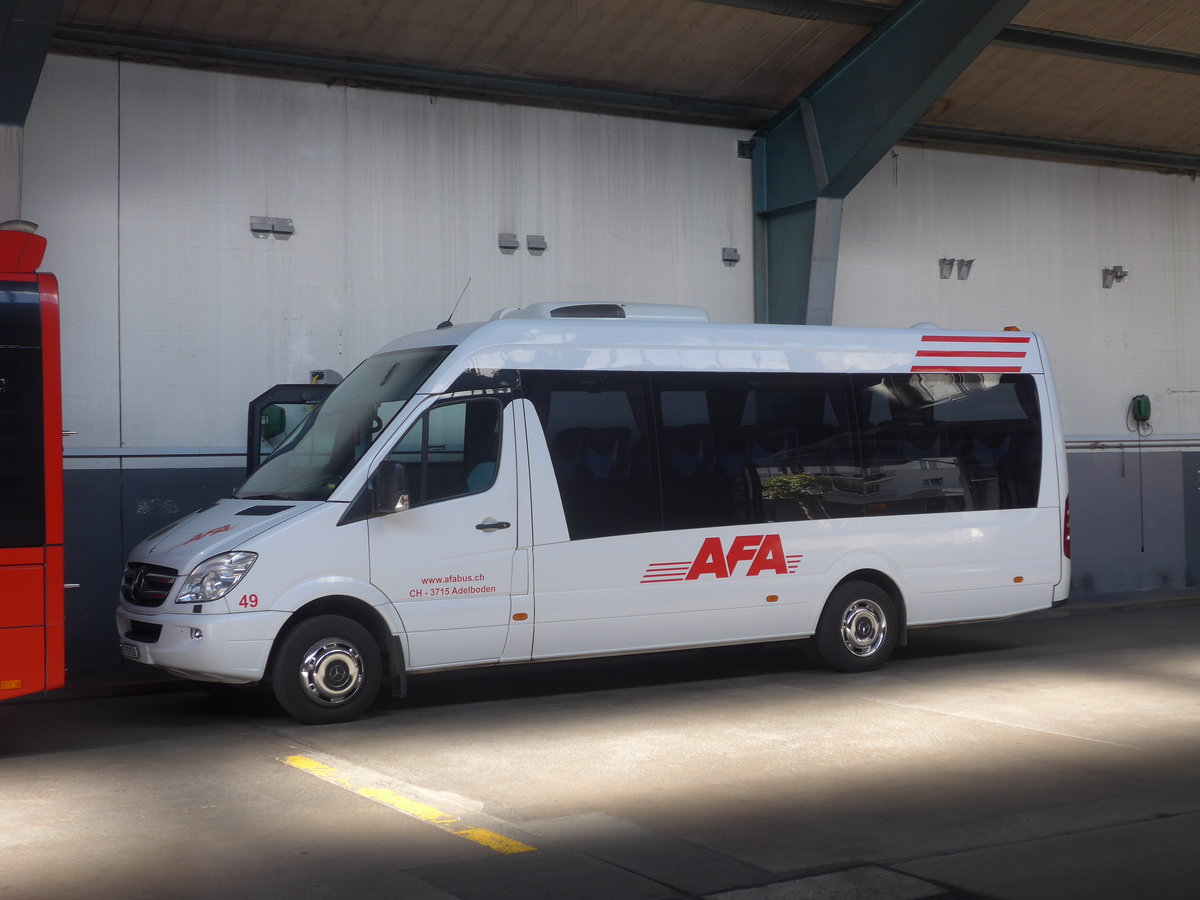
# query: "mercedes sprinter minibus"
(582, 480)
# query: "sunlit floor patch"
(464, 820)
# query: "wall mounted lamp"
(946, 267)
(508, 243)
(263, 227)
(730, 256)
(1114, 273)
(535, 244)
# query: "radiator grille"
(147, 585)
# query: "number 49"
(248, 601)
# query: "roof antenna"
(448, 323)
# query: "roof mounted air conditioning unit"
(651, 312)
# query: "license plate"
(130, 651)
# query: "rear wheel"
(327, 669)
(858, 627)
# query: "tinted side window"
(597, 429)
(756, 448)
(451, 451)
(944, 442)
(22, 476)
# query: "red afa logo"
(203, 534)
(760, 553)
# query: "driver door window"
(451, 451)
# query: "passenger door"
(447, 561)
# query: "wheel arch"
(886, 583)
(391, 646)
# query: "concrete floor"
(1050, 758)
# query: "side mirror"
(385, 492)
(388, 487)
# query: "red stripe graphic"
(951, 359)
(660, 572)
(974, 354)
(980, 369)
(972, 339)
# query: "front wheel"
(858, 627)
(327, 669)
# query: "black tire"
(327, 669)
(858, 629)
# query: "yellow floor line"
(410, 807)
(407, 805)
(494, 841)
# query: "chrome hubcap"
(864, 627)
(331, 672)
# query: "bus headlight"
(216, 577)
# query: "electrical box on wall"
(1139, 408)
(263, 227)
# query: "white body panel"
(592, 599)
(457, 595)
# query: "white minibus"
(575, 480)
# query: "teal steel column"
(810, 156)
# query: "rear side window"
(739, 449)
(945, 442)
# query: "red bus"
(31, 479)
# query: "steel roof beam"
(848, 12)
(1020, 37)
(1039, 146)
(73, 37)
(1083, 47)
(25, 30)
(856, 12)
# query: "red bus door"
(31, 492)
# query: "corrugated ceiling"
(711, 51)
(1174, 25)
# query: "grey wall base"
(1190, 490)
(108, 511)
(1127, 521)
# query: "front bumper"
(229, 647)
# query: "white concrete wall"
(1040, 234)
(69, 176)
(144, 179)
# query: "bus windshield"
(313, 462)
